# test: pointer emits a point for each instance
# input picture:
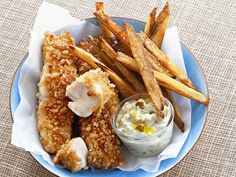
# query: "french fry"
(131, 78)
(107, 48)
(178, 117)
(160, 26)
(105, 59)
(99, 5)
(131, 63)
(121, 35)
(92, 47)
(113, 27)
(180, 88)
(126, 90)
(166, 81)
(144, 69)
(105, 31)
(156, 64)
(128, 61)
(150, 22)
(172, 67)
(129, 75)
(118, 31)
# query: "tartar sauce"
(139, 118)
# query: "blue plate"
(199, 113)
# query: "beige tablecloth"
(207, 27)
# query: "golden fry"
(107, 48)
(178, 117)
(144, 69)
(166, 81)
(99, 5)
(129, 75)
(150, 22)
(91, 46)
(128, 61)
(172, 67)
(161, 24)
(180, 88)
(113, 27)
(131, 78)
(121, 35)
(105, 31)
(125, 89)
(104, 58)
(156, 65)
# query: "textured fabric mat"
(207, 28)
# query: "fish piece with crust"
(95, 99)
(54, 118)
(72, 155)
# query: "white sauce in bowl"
(140, 128)
(138, 118)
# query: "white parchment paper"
(24, 132)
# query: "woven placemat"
(207, 28)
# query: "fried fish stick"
(54, 118)
(171, 66)
(150, 22)
(178, 117)
(145, 71)
(160, 26)
(103, 144)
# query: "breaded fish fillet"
(103, 144)
(53, 115)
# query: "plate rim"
(118, 17)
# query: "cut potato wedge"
(150, 22)
(128, 75)
(160, 26)
(172, 67)
(105, 31)
(145, 69)
(113, 27)
(180, 88)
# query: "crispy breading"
(53, 115)
(54, 123)
(103, 144)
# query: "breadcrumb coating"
(54, 123)
(59, 70)
(103, 144)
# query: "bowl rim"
(129, 18)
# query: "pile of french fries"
(135, 62)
